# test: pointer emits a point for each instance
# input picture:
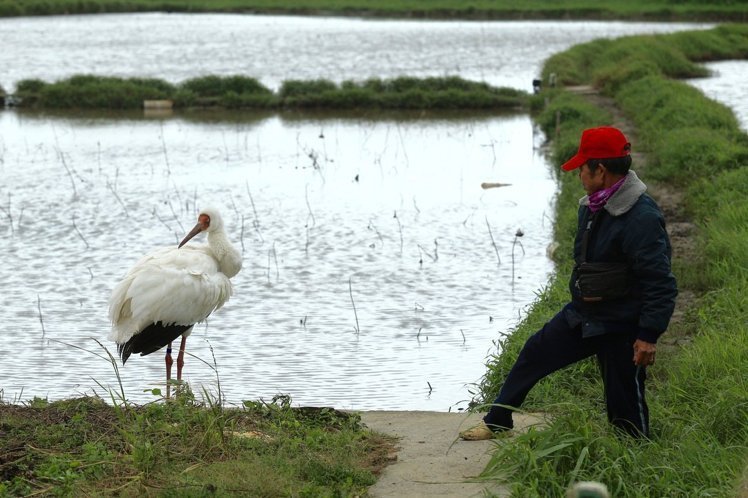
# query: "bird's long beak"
(196, 230)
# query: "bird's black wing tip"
(124, 351)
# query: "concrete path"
(431, 459)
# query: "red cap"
(599, 143)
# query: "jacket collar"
(624, 198)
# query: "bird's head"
(207, 221)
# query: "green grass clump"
(697, 395)
(231, 92)
(85, 447)
(239, 92)
(400, 93)
(93, 92)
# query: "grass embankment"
(240, 92)
(698, 396)
(476, 9)
(85, 447)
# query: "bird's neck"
(229, 259)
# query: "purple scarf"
(599, 198)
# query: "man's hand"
(644, 353)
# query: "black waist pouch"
(603, 281)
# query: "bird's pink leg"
(180, 358)
(169, 363)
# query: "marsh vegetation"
(241, 92)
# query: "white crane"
(170, 290)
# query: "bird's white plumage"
(168, 285)
(171, 285)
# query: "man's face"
(592, 181)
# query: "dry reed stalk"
(400, 229)
(70, 174)
(241, 236)
(373, 227)
(79, 233)
(256, 220)
(163, 147)
(233, 204)
(176, 218)
(355, 314)
(114, 193)
(311, 214)
(9, 215)
(493, 150)
(493, 242)
(155, 213)
(433, 258)
(41, 319)
(518, 234)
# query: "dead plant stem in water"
(114, 193)
(176, 218)
(166, 154)
(493, 242)
(241, 236)
(272, 252)
(311, 214)
(516, 240)
(79, 233)
(70, 174)
(379, 235)
(41, 319)
(433, 257)
(355, 314)
(9, 215)
(400, 229)
(256, 220)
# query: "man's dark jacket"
(629, 229)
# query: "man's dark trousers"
(557, 345)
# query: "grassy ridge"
(476, 9)
(238, 92)
(698, 397)
(85, 447)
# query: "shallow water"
(89, 196)
(726, 85)
(382, 209)
(273, 49)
